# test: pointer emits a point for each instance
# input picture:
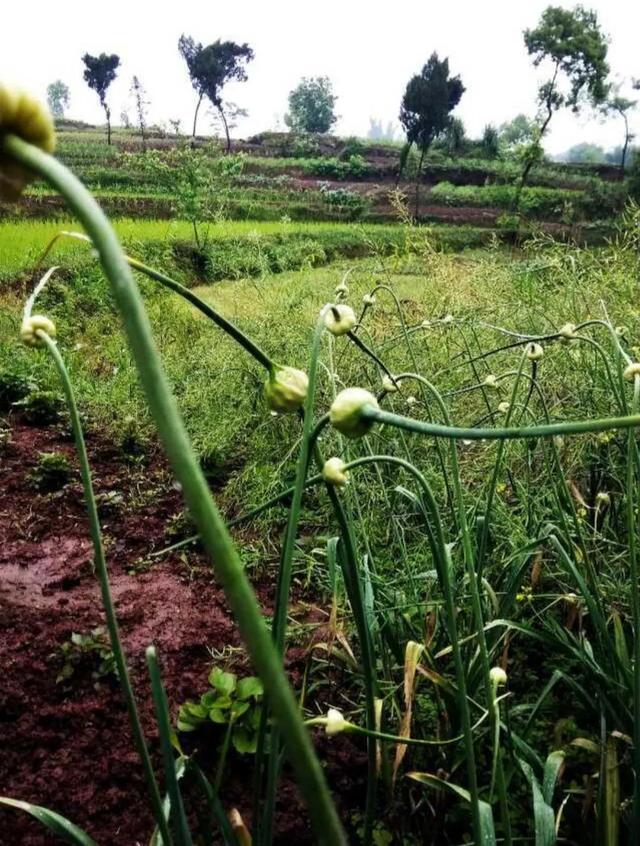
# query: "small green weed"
(92, 649)
(231, 702)
(52, 472)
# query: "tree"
(428, 101)
(571, 42)
(622, 106)
(455, 137)
(210, 69)
(585, 153)
(58, 98)
(311, 106)
(490, 142)
(519, 130)
(141, 104)
(99, 73)
(200, 183)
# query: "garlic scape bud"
(30, 327)
(345, 412)
(339, 319)
(286, 389)
(23, 115)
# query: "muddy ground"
(67, 744)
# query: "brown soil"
(67, 746)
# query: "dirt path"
(67, 745)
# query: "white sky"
(368, 49)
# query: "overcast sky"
(368, 49)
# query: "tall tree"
(210, 69)
(58, 98)
(621, 106)
(428, 101)
(311, 106)
(141, 103)
(99, 73)
(574, 47)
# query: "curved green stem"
(436, 430)
(105, 590)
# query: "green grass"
(236, 248)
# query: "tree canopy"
(99, 73)
(311, 106)
(58, 98)
(211, 68)
(428, 100)
(573, 43)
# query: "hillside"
(324, 178)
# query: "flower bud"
(24, 116)
(411, 401)
(341, 291)
(286, 389)
(389, 384)
(567, 333)
(368, 299)
(490, 381)
(339, 319)
(448, 318)
(631, 371)
(335, 722)
(333, 472)
(620, 331)
(30, 327)
(426, 324)
(603, 498)
(534, 352)
(498, 676)
(345, 412)
(504, 407)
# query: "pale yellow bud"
(345, 412)
(340, 319)
(335, 722)
(286, 389)
(504, 407)
(498, 676)
(490, 381)
(368, 299)
(30, 327)
(534, 352)
(23, 115)
(389, 384)
(333, 471)
(631, 371)
(603, 498)
(567, 333)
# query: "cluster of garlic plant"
(458, 549)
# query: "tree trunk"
(549, 103)
(195, 118)
(623, 157)
(423, 150)
(107, 112)
(226, 128)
